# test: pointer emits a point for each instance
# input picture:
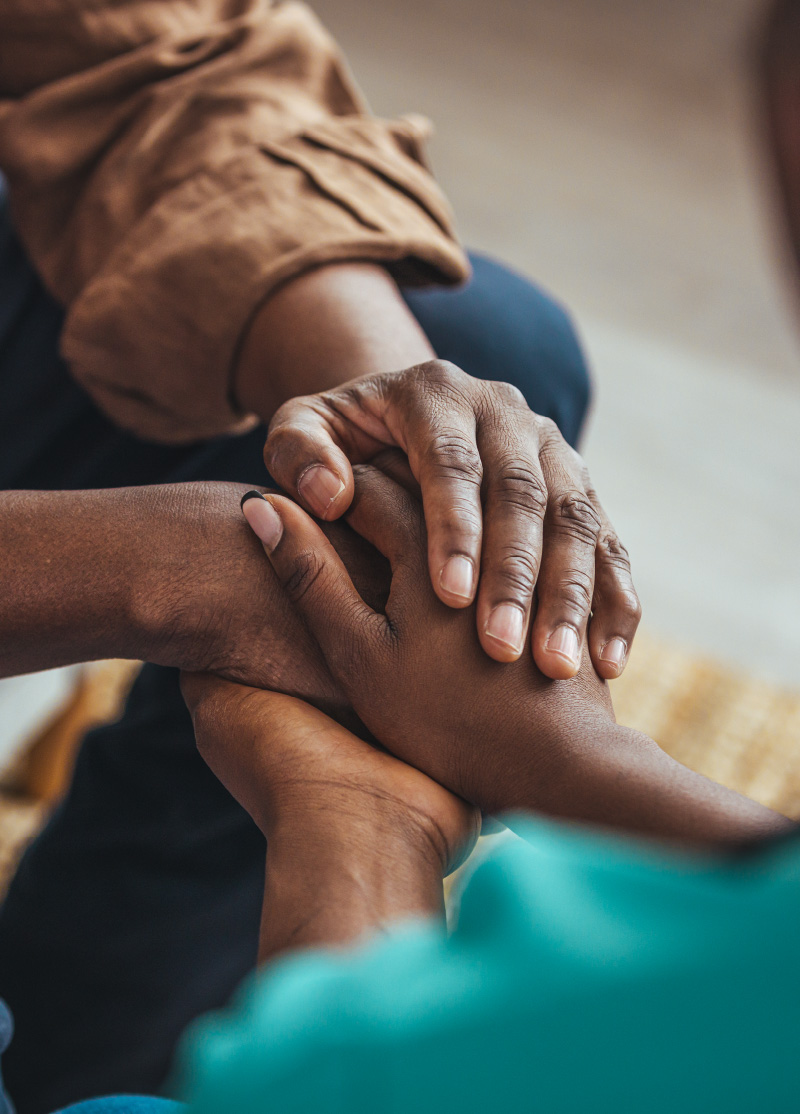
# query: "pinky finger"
(616, 610)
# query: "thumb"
(304, 458)
(312, 574)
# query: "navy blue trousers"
(137, 908)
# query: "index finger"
(306, 455)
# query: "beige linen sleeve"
(170, 162)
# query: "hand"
(203, 602)
(502, 736)
(503, 495)
(284, 760)
(499, 735)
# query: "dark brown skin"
(356, 839)
(503, 493)
(170, 574)
(500, 736)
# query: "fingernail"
(457, 577)
(614, 652)
(564, 641)
(505, 625)
(319, 487)
(264, 520)
(251, 494)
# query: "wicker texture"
(740, 731)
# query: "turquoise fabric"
(586, 974)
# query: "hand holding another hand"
(508, 505)
(498, 734)
(502, 736)
(204, 601)
(356, 839)
(286, 762)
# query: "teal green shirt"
(586, 974)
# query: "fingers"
(388, 516)
(616, 610)
(394, 464)
(304, 453)
(437, 426)
(450, 474)
(228, 713)
(515, 496)
(315, 580)
(565, 587)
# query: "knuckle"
(549, 433)
(575, 516)
(613, 553)
(522, 486)
(440, 375)
(445, 371)
(518, 570)
(454, 455)
(459, 524)
(307, 568)
(278, 438)
(575, 591)
(509, 395)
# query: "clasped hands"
(477, 482)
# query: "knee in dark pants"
(500, 326)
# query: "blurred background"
(610, 149)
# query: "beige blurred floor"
(607, 148)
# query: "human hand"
(293, 768)
(203, 600)
(499, 735)
(506, 502)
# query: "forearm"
(327, 326)
(68, 565)
(631, 784)
(334, 880)
(97, 574)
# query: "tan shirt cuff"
(154, 334)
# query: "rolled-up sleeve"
(171, 162)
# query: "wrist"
(334, 876)
(339, 823)
(620, 778)
(171, 608)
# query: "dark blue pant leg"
(137, 907)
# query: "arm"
(197, 182)
(503, 737)
(172, 164)
(169, 574)
(356, 840)
(628, 782)
(152, 573)
(507, 502)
